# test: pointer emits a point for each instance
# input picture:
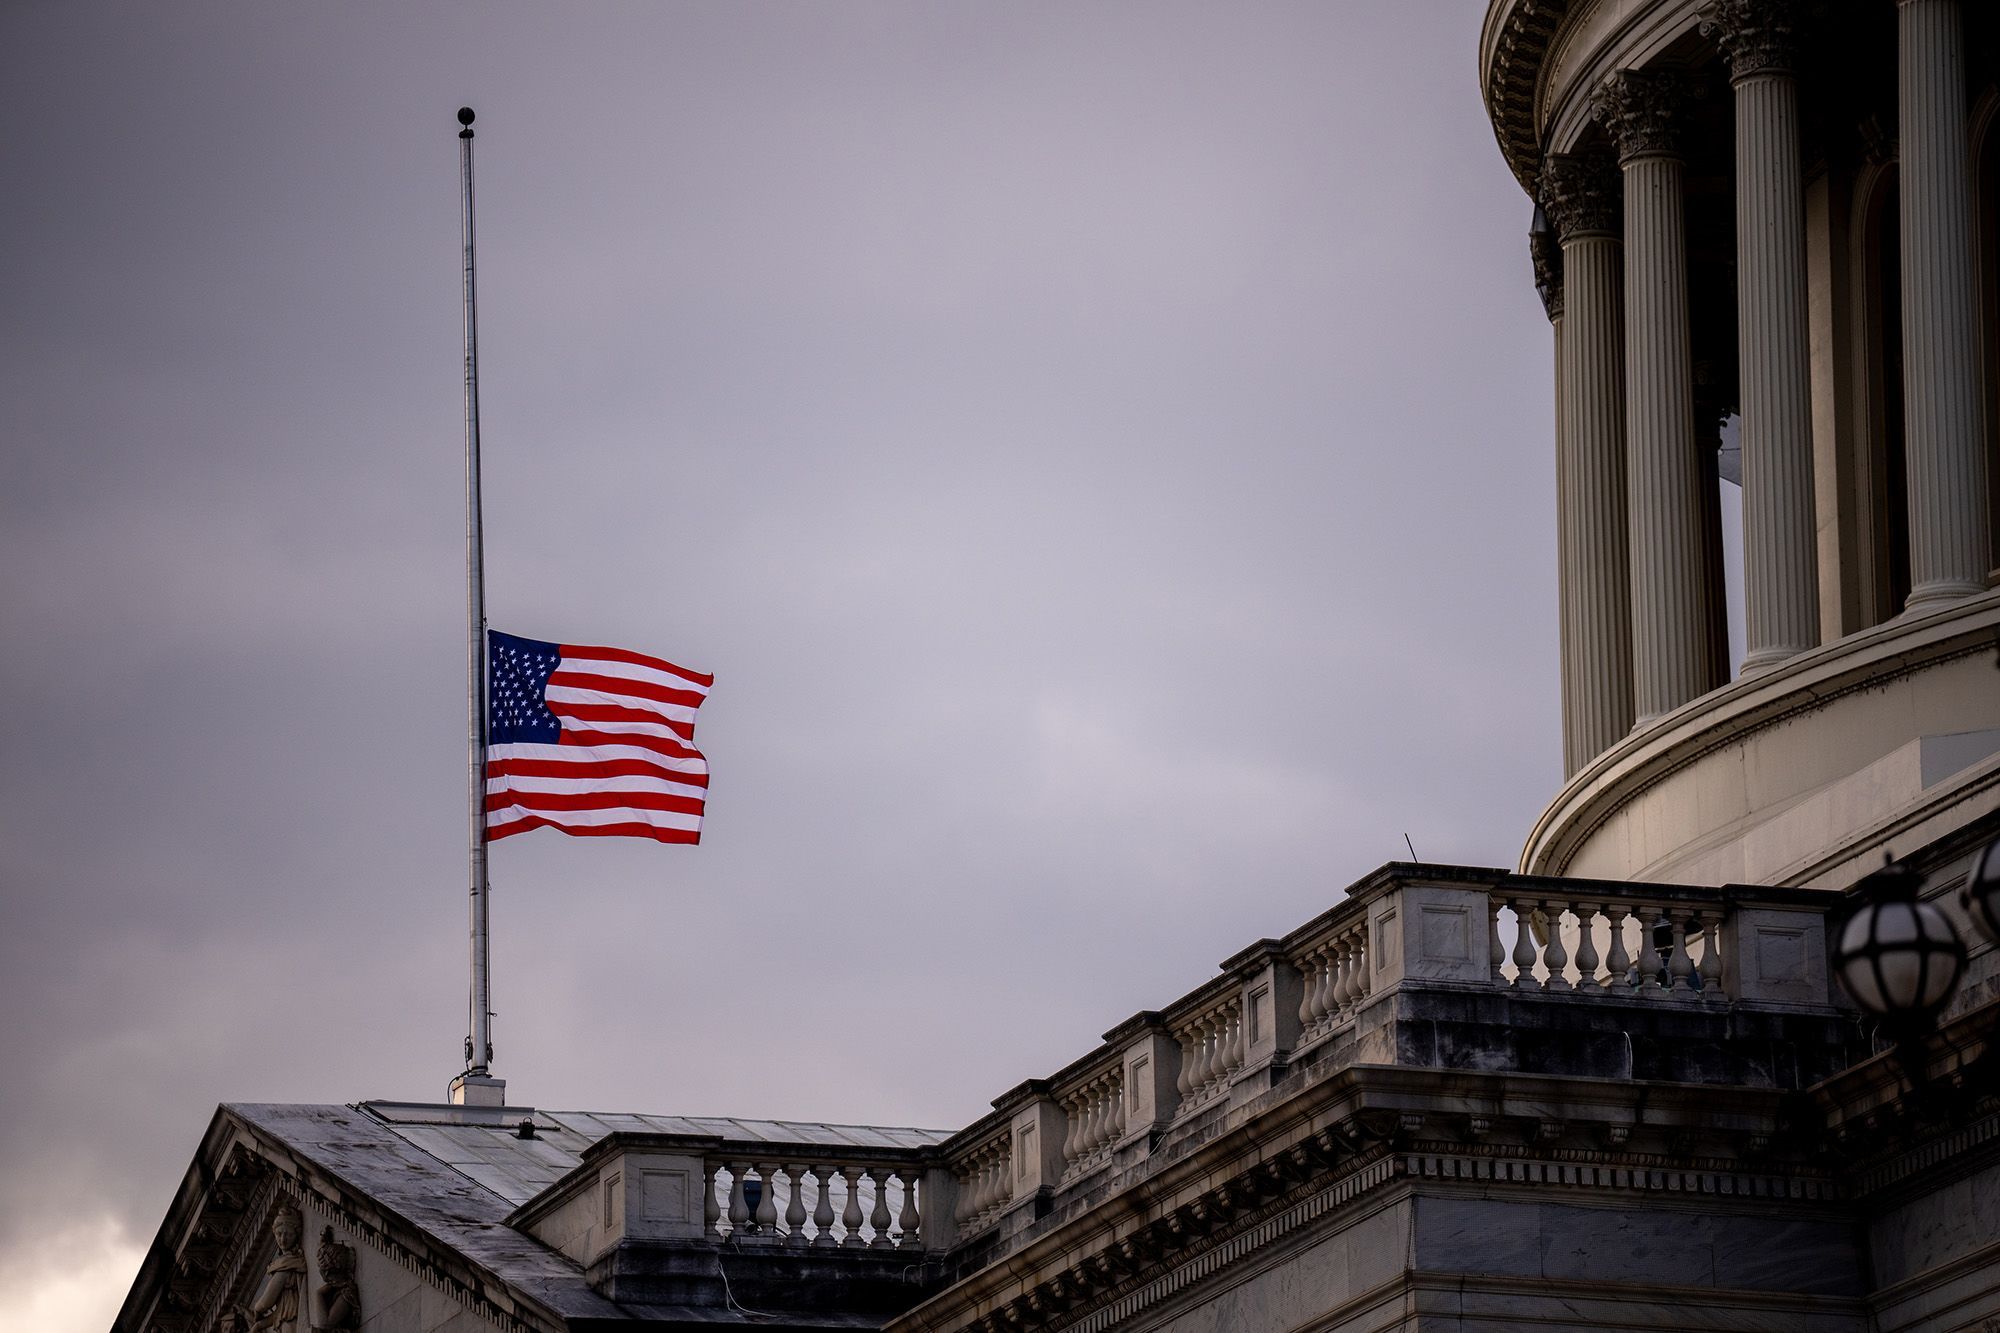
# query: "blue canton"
(517, 675)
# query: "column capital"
(1641, 110)
(1581, 192)
(1755, 36)
(1545, 252)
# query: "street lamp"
(1980, 894)
(1898, 956)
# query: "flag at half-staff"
(597, 742)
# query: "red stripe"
(637, 689)
(593, 800)
(659, 744)
(589, 768)
(637, 659)
(613, 713)
(679, 835)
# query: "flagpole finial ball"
(465, 115)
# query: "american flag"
(592, 741)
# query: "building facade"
(1615, 1087)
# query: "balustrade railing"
(1095, 1115)
(1212, 1049)
(815, 1201)
(985, 1182)
(1278, 1005)
(1334, 975)
(1608, 944)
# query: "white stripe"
(622, 729)
(630, 671)
(584, 754)
(573, 694)
(594, 818)
(517, 783)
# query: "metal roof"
(482, 1142)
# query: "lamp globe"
(1897, 956)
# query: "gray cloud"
(1102, 451)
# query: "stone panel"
(393, 1299)
(1301, 1285)
(1644, 1244)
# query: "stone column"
(1672, 595)
(1581, 196)
(1780, 550)
(1545, 252)
(1944, 454)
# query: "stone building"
(1615, 1087)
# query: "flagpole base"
(478, 1090)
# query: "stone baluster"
(823, 1208)
(1184, 1081)
(850, 1214)
(1204, 1057)
(1115, 1122)
(1618, 963)
(1680, 967)
(1711, 953)
(1072, 1149)
(1524, 943)
(795, 1205)
(1649, 950)
(1238, 1040)
(1555, 957)
(1586, 948)
(1195, 1057)
(767, 1198)
(910, 1219)
(739, 1207)
(976, 1191)
(711, 1210)
(1223, 1040)
(1337, 969)
(1313, 966)
(969, 1193)
(879, 1216)
(1493, 906)
(982, 1183)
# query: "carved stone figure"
(337, 1301)
(276, 1304)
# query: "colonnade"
(1638, 538)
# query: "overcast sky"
(1103, 452)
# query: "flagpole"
(475, 1086)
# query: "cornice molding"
(1343, 1140)
(1802, 685)
(1517, 35)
